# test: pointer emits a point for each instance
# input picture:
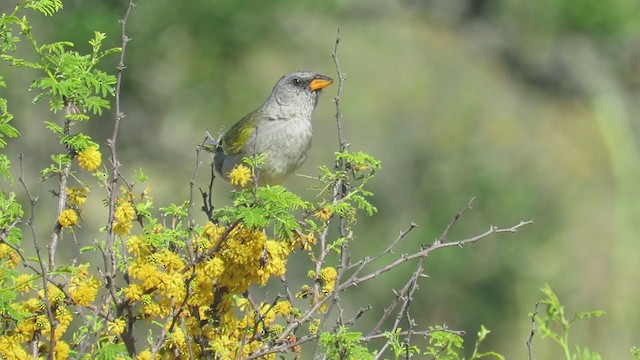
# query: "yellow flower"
(11, 349)
(116, 327)
(55, 294)
(90, 158)
(324, 214)
(240, 175)
(6, 252)
(283, 308)
(67, 218)
(145, 355)
(133, 292)
(214, 267)
(61, 351)
(83, 291)
(213, 231)
(23, 283)
(122, 228)
(125, 213)
(77, 196)
(328, 276)
(137, 247)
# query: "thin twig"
(69, 109)
(533, 330)
(192, 183)
(109, 258)
(53, 323)
(455, 219)
(428, 249)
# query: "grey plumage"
(280, 128)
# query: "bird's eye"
(297, 81)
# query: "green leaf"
(18, 62)
(46, 7)
(109, 351)
(590, 314)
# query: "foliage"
(555, 325)
(344, 345)
(188, 284)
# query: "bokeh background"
(529, 106)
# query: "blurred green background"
(530, 106)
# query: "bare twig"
(406, 295)
(533, 330)
(109, 258)
(455, 219)
(53, 323)
(430, 248)
(192, 183)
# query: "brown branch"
(455, 219)
(69, 109)
(533, 330)
(192, 183)
(108, 255)
(53, 323)
(430, 248)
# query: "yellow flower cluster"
(83, 289)
(226, 269)
(240, 175)
(124, 216)
(324, 214)
(77, 196)
(23, 282)
(245, 257)
(11, 349)
(90, 158)
(26, 329)
(9, 257)
(159, 274)
(116, 327)
(67, 218)
(328, 277)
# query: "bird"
(280, 129)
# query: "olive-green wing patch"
(236, 137)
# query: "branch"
(533, 330)
(430, 248)
(424, 333)
(108, 255)
(53, 323)
(69, 109)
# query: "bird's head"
(298, 92)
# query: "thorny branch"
(109, 258)
(53, 323)
(533, 330)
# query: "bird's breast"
(286, 145)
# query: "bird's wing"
(237, 136)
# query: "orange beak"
(320, 82)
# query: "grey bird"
(280, 129)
